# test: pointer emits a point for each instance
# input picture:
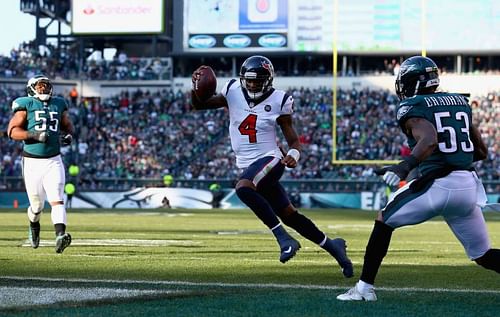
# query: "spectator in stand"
(102, 128)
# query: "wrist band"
(294, 153)
(412, 161)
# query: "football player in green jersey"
(444, 145)
(42, 122)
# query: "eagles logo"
(402, 111)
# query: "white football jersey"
(252, 127)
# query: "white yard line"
(11, 297)
(248, 285)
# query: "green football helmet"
(416, 75)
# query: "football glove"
(66, 139)
(393, 174)
(40, 136)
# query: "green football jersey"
(451, 115)
(42, 116)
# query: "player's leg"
(53, 183)
(472, 232)
(466, 219)
(32, 174)
(246, 189)
(276, 195)
(404, 208)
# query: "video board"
(117, 16)
(358, 26)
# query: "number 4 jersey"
(252, 126)
(451, 115)
(41, 116)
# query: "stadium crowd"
(27, 60)
(140, 134)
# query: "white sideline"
(249, 285)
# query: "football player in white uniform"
(42, 122)
(255, 109)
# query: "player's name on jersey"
(448, 100)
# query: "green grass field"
(225, 263)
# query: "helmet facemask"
(40, 87)
(255, 85)
(256, 76)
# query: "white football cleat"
(354, 294)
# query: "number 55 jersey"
(451, 115)
(42, 116)
(252, 124)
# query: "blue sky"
(17, 27)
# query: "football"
(205, 86)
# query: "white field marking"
(237, 232)
(11, 297)
(349, 226)
(166, 214)
(119, 242)
(248, 285)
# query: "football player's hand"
(196, 74)
(393, 174)
(289, 161)
(66, 139)
(40, 136)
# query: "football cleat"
(354, 294)
(289, 248)
(337, 248)
(34, 236)
(62, 242)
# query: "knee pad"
(36, 204)
(490, 260)
(34, 216)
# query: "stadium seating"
(145, 135)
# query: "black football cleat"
(62, 242)
(34, 236)
(337, 248)
(289, 248)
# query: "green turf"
(233, 248)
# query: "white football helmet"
(44, 93)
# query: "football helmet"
(256, 76)
(44, 92)
(416, 75)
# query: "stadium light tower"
(53, 10)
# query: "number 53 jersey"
(451, 115)
(42, 116)
(252, 125)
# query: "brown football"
(206, 85)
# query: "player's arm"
(66, 129)
(16, 129)
(426, 136)
(480, 149)
(214, 102)
(217, 101)
(292, 156)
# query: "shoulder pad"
(20, 104)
